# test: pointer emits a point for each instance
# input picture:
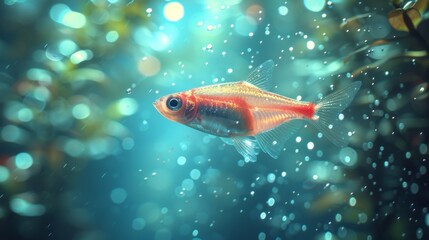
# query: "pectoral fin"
(227, 141)
(272, 141)
(247, 147)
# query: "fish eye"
(174, 103)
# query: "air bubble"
(181, 160)
(414, 188)
(271, 177)
(23, 160)
(423, 148)
(422, 170)
(328, 236)
(4, 174)
(187, 184)
(408, 155)
(310, 45)
(195, 174)
(138, 224)
(419, 233)
(271, 202)
(118, 195)
(283, 10)
(338, 217)
(352, 201)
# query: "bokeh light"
(174, 11)
(81, 111)
(61, 13)
(4, 174)
(23, 160)
(245, 25)
(21, 206)
(149, 66)
(314, 5)
(310, 45)
(112, 36)
(118, 195)
(127, 106)
(80, 56)
(283, 10)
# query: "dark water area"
(84, 154)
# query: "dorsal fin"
(261, 76)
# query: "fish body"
(248, 116)
(240, 109)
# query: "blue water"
(85, 155)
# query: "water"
(84, 154)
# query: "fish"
(249, 116)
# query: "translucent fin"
(272, 141)
(327, 111)
(247, 147)
(261, 76)
(227, 141)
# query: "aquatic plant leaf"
(421, 5)
(397, 2)
(369, 66)
(328, 201)
(353, 21)
(414, 15)
(373, 44)
(408, 5)
(88, 74)
(397, 19)
(416, 54)
(408, 54)
(420, 91)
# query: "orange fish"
(248, 116)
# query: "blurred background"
(84, 155)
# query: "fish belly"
(221, 119)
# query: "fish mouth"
(157, 105)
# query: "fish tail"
(326, 116)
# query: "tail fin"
(327, 112)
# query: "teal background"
(84, 155)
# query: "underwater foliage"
(84, 155)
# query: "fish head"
(178, 107)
